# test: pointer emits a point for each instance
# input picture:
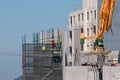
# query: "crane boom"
(105, 19)
(105, 22)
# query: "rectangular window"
(95, 14)
(82, 16)
(71, 34)
(87, 32)
(71, 20)
(70, 49)
(91, 30)
(91, 45)
(91, 15)
(78, 17)
(74, 19)
(87, 15)
(82, 30)
(94, 29)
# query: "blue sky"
(19, 17)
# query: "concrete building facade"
(90, 73)
(85, 21)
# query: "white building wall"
(88, 7)
(87, 73)
(89, 3)
(79, 73)
(111, 73)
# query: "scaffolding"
(41, 60)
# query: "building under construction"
(42, 59)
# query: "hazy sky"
(19, 17)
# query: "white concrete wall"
(79, 73)
(75, 73)
(73, 27)
(89, 3)
(111, 73)
(87, 6)
(87, 73)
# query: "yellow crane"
(105, 20)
